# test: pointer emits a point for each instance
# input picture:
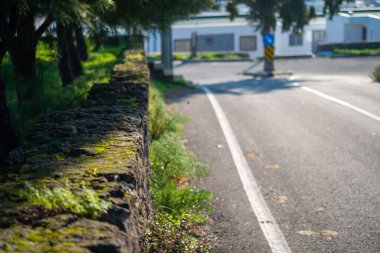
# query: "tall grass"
(48, 92)
(179, 207)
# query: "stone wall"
(80, 182)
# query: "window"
(215, 42)
(182, 45)
(248, 43)
(295, 40)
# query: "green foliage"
(168, 236)
(179, 202)
(161, 120)
(153, 13)
(366, 51)
(293, 13)
(217, 56)
(49, 94)
(376, 74)
(170, 160)
(179, 208)
(87, 202)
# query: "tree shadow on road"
(253, 86)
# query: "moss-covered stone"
(100, 148)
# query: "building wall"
(349, 28)
(374, 29)
(335, 29)
(239, 29)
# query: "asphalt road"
(316, 161)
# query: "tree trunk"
(64, 65)
(9, 136)
(76, 65)
(23, 55)
(81, 44)
(23, 49)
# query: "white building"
(354, 26)
(218, 33)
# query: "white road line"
(338, 101)
(268, 224)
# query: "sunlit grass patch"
(85, 202)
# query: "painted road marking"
(337, 101)
(268, 224)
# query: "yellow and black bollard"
(269, 53)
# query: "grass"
(48, 92)
(217, 56)
(201, 56)
(376, 74)
(87, 202)
(179, 208)
(366, 51)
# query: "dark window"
(215, 42)
(248, 43)
(295, 40)
(364, 33)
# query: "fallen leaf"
(307, 232)
(280, 198)
(272, 166)
(252, 154)
(329, 233)
(319, 210)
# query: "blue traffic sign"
(268, 39)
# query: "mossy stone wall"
(80, 182)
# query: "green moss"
(41, 239)
(60, 157)
(136, 57)
(92, 171)
(68, 244)
(102, 146)
(129, 101)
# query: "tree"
(293, 15)
(24, 22)
(9, 19)
(19, 36)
